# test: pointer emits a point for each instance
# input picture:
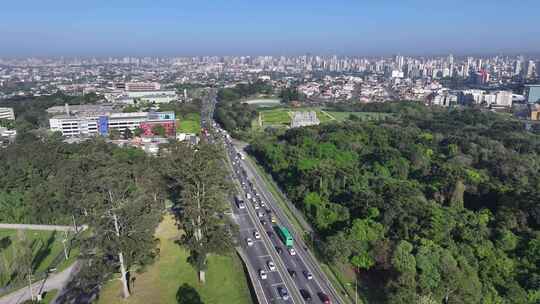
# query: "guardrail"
(252, 276)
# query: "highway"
(293, 279)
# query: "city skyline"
(191, 28)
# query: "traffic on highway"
(281, 242)
(273, 253)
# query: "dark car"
(270, 233)
(306, 295)
(324, 298)
(279, 250)
(292, 273)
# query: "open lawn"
(189, 124)
(46, 246)
(225, 278)
(283, 116)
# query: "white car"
(271, 265)
(308, 275)
(257, 235)
(256, 206)
(241, 206)
(248, 196)
(260, 214)
(249, 242)
(262, 274)
(292, 251)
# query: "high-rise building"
(533, 93)
(529, 71)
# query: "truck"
(285, 236)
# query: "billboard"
(103, 125)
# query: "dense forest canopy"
(437, 206)
(234, 115)
(120, 194)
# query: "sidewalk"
(55, 281)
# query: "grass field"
(282, 116)
(49, 296)
(225, 278)
(46, 246)
(190, 123)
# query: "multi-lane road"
(283, 275)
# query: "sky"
(267, 27)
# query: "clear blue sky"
(267, 27)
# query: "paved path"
(55, 281)
(42, 227)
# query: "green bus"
(285, 236)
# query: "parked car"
(262, 274)
(271, 265)
(249, 242)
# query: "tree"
(138, 132)
(362, 260)
(198, 176)
(128, 134)
(188, 295)
(114, 134)
(123, 217)
(159, 130)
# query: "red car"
(324, 298)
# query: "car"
(248, 196)
(263, 222)
(249, 242)
(324, 298)
(292, 251)
(273, 219)
(241, 206)
(263, 204)
(262, 274)
(279, 250)
(283, 293)
(260, 214)
(292, 273)
(270, 233)
(308, 275)
(271, 265)
(257, 235)
(256, 206)
(306, 295)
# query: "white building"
(7, 113)
(91, 124)
(142, 86)
(303, 119)
(503, 98)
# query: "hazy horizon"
(231, 28)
